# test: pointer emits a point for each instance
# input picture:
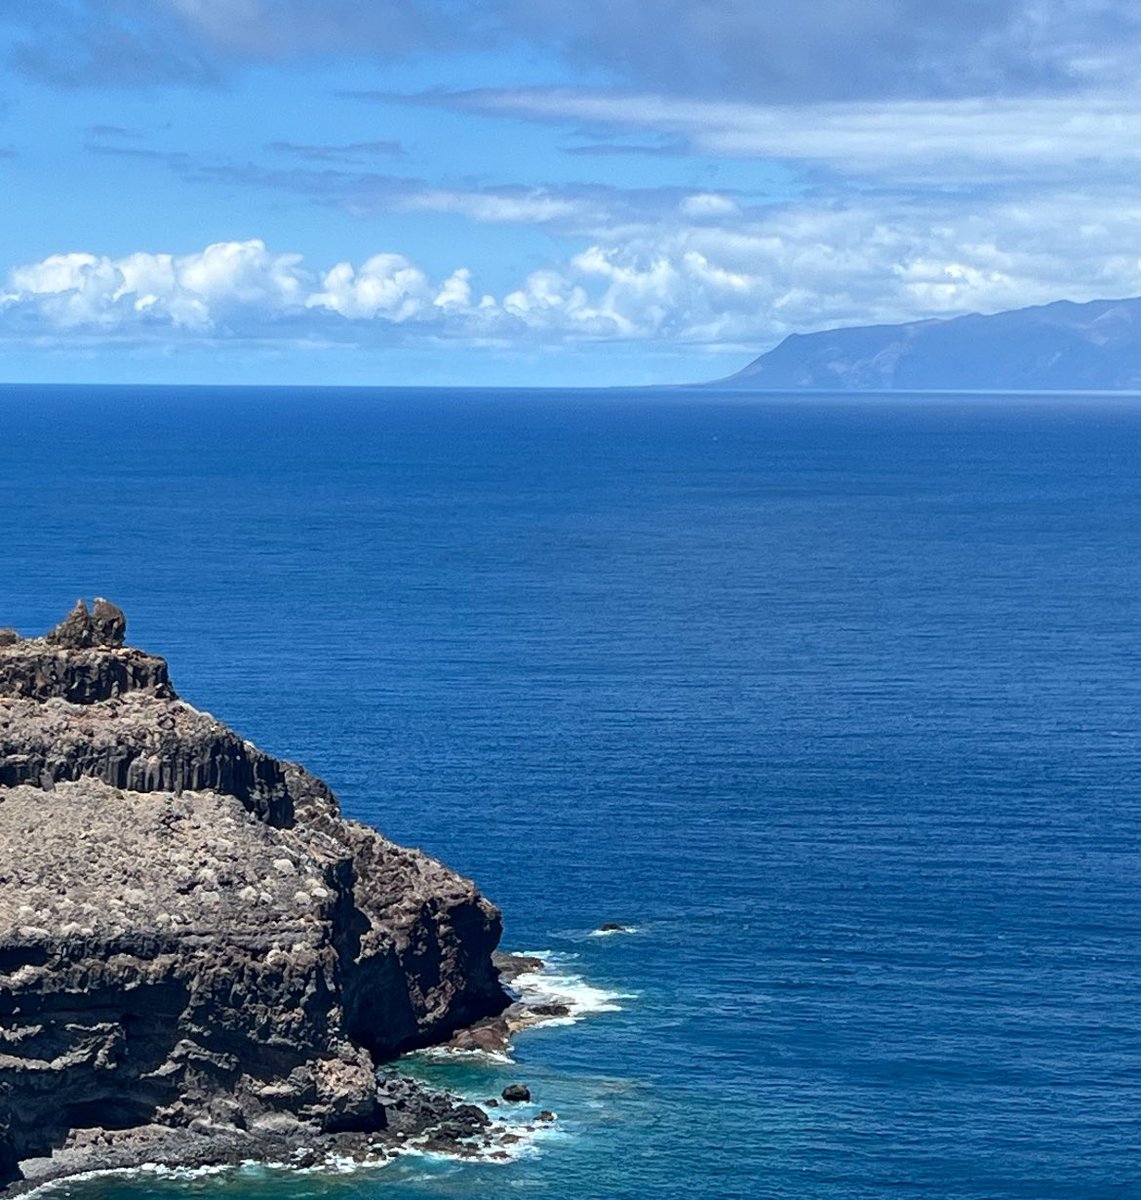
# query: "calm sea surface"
(836, 700)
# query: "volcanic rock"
(554, 1009)
(198, 954)
(511, 966)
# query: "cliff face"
(190, 934)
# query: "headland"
(201, 960)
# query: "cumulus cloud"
(191, 292)
(746, 281)
(386, 285)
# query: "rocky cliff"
(191, 936)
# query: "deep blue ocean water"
(835, 699)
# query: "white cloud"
(242, 273)
(523, 207)
(708, 205)
(745, 280)
(192, 291)
(386, 285)
(455, 293)
(933, 141)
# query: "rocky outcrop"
(82, 661)
(191, 936)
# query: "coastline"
(201, 961)
(419, 1118)
(203, 964)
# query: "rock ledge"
(194, 944)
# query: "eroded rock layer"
(191, 936)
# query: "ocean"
(834, 700)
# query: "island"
(1058, 347)
(201, 960)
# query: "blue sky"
(544, 191)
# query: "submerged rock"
(196, 949)
(553, 1009)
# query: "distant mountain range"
(1053, 347)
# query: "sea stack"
(196, 950)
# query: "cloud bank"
(924, 142)
(781, 50)
(694, 282)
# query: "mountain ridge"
(1061, 346)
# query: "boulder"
(108, 623)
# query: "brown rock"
(549, 1010)
(492, 1036)
(511, 966)
(189, 931)
(75, 631)
(108, 623)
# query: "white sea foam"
(556, 983)
(553, 983)
(158, 1169)
(525, 1135)
(343, 1164)
(495, 1058)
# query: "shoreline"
(420, 1119)
(202, 961)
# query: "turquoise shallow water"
(836, 700)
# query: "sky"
(545, 192)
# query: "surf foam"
(556, 983)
